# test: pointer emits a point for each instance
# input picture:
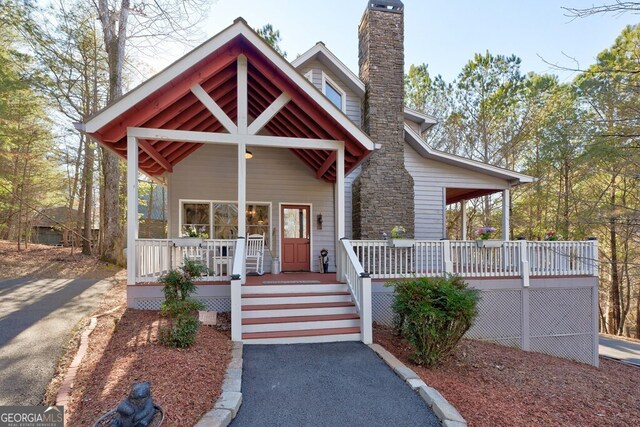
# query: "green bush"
(433, 314)
(179, 306)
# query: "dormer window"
(334, 93)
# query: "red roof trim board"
(166, 102)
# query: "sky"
(443, 34)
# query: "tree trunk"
(87, 182)
(115, 37)
(614, 292)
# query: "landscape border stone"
(228, 404)
(445, 411)
(64, 392)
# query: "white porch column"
(505, 215)
(242, 146)
(463, 213)
(339, 206)
(132, 207)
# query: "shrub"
(433, 314)
(179, 306)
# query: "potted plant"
(484, 240)
(397, 238)
(552, 236)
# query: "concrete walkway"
(336, 384)
(36, 317)
(621, 349)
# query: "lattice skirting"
(559, 320)
(219, 304)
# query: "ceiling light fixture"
(248, 154)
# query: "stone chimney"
(383, 195)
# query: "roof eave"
(512, 177)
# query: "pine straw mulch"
(123, 349)
(51, 262)
(493, 385)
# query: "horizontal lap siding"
(348, 202)
(430, 179)
(273, 175)
(354, 102)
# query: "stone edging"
(228, 404)
(64, 392)
(446, 413)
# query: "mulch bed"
(123, 349)
(493, 385)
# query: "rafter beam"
(269, 113)
(234, 139)
(243, 97)
(214, 108)
(326, 165)
(155, 155)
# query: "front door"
(296, 239)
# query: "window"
(195, 220)
(333, 92)
(219, 220)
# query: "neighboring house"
(152, 210)
(49, 227)
(312, 157)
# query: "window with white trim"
(219, 219)
(332, 91)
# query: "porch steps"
(298, 313)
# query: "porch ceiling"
(455, 195)
(174, 107)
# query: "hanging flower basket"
(397, 239)
(488, 243)
(401, 243)
(188, 241)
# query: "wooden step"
(294, 294)
(297, 306)
(300, 333)
(291, 319)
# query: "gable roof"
(165, 101)
(421, 146)
(322, 54)
(423, 120)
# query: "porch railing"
(426, 258)
(155, 257)
(359, 285)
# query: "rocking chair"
(255, 254)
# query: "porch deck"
(302, 278)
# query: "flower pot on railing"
(401, 243)
(188, 241)
(489, 243)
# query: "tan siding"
(430, 179)
(273, 175)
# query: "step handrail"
(359, 283)
(237, 278)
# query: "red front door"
(296, 242)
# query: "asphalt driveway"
(336, 384)
(36, 317)
(621, 349)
